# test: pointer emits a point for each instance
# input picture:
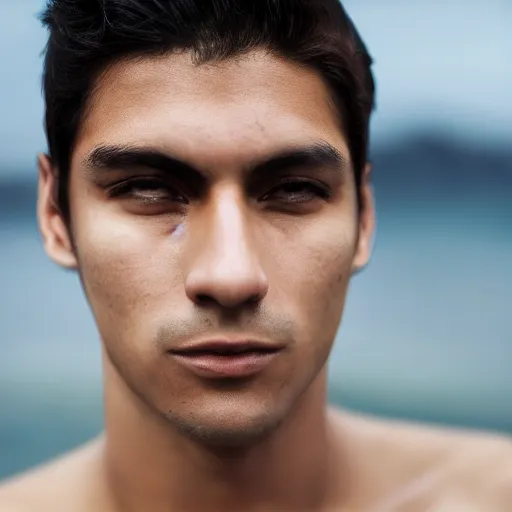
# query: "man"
(207, 176)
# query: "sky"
(440, 65)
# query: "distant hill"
(430, 160)
(419, 165)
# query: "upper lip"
(227, 347)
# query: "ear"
(54, 231)
(366, 223)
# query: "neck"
(151, 467)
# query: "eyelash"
(127, 187)
(317, 189)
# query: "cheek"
(318, 270)
(126, 270)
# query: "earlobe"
(366, 224)
(52, 225)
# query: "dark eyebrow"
(123, 157)
(315, 156)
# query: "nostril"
(204, 299)
(211, 287)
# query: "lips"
(226, 347)
(226, 359)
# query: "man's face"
(213, 202)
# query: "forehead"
(236, 108)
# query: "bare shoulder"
(55, 486)
(427, 438)
(430, 463)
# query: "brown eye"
(296, 192)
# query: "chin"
(227, 426)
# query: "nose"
(225, 268)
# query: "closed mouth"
(225, 353)
(226, 359)
(226, 349)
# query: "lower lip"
(226, 366)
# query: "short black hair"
(85, 36)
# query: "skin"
(225, 250)
(234, 268)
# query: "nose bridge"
(230, 232)
(227, 268)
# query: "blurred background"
(427, 332)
